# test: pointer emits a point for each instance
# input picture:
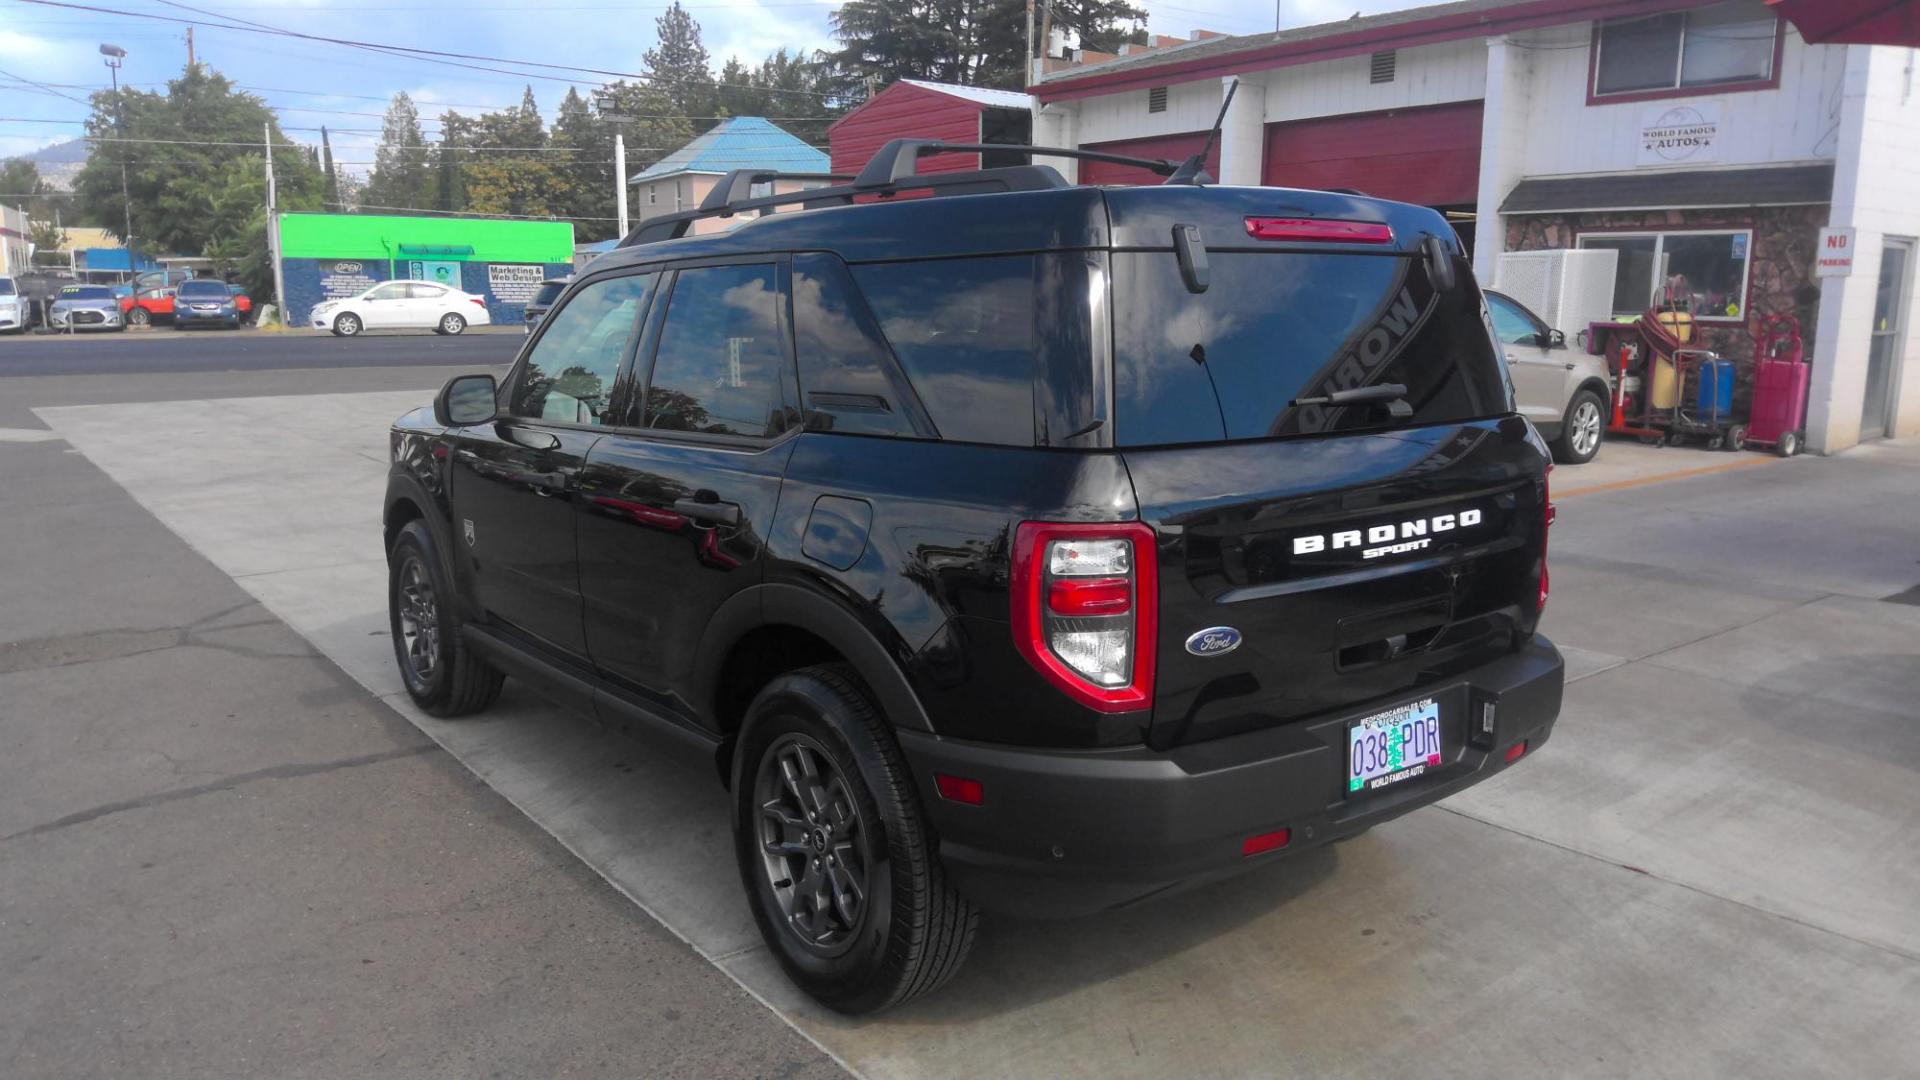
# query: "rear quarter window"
(1274, 327)
(963, 330)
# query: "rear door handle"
(718, 513)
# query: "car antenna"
(1192, 172)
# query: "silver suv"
(1563, 391)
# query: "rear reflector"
(1268, 841)
(1514, 751)
(960, 789)
(1090, 596)
(1314, 230)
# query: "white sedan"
(402, 305)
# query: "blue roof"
(742, 142)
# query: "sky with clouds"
(58, 46)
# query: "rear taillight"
(1548, 513)
(476, 301)
(1085, 605)
(1314, 230)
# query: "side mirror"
(466, 400)
(1556, 339)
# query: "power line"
(469, 213)
(43, 86)
(431, 55)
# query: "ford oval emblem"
(1214, 641)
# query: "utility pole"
(620, 177)
(1026, 65)
(273, 228)
(189, 48)
(115, 56)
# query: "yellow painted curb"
(1661, 478)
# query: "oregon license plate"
(1392, 746)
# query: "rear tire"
(1789, 444)
(441, 674)
(346, 324)
(451, 324)
(837, 864)
(1581, 430)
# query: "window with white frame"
(1683, 50)
(1704, 272)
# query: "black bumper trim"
(1072, 832)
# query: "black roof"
(1772, 185)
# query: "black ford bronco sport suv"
(1011, 545)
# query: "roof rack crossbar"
(1011, 178)
(737, 186)
(899, 159)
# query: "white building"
(13, 240)
(1704, 138)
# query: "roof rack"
(894, 169)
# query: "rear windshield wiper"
(1393, 394)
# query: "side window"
(717, 369)
(569, 376)
(848, 381)
(963, 330)
(418, 291)
(1511, 325)
(392, 290)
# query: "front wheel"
(441, 674)
(451, 323)
(1581, 429)
(836, 860)
(140, 317)
(1789, 444)
(346, 324)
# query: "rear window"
(1273, 327)
(549, 292)
(204, 290)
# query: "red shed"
(915, 109)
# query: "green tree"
(22, 187)
(971, 42)
(401, 174)
(450, 162)
(512, 172)
(45, 234)
(583, 152)
(189, 141)
(678, 66)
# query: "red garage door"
(1171, 147)
(1428, 156)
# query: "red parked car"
(148, 306)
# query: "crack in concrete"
(117, 643)
(275, 772)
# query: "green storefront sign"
(435, 239)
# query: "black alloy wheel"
(813, 844)
(836, 859)
(441, 673)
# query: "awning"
(1854, 22)
(1772, 185)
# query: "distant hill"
(59, 163)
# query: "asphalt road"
(172, 351)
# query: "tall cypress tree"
(401, 173)
(677, 66)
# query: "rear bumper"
(1064, 833)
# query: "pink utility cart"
(1779, 386)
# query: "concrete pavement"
(1708, 872)
(221, 857)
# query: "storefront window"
(1701, 272)
(1708, 47)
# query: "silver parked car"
(86, 307)
(1564, 391)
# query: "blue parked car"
(205, 302)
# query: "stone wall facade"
(1780, 276)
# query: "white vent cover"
(1567, 288)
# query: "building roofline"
(1219, 57)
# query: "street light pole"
(114, 56)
